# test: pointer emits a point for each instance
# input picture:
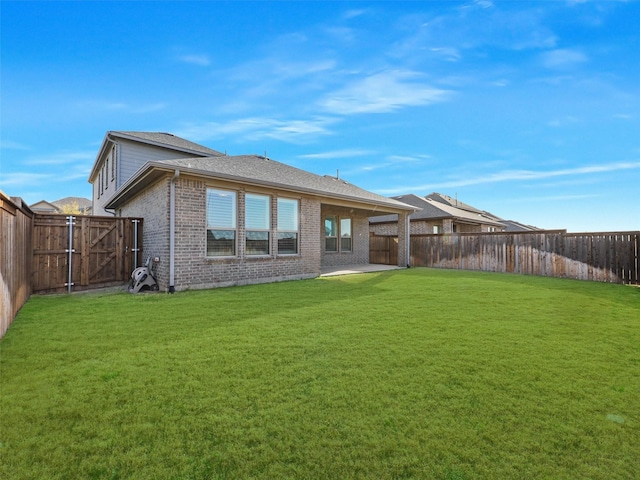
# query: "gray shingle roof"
(80, 201)
(166, 139)
(513, 226)
(426, 210)
(452, 202)
(261, 170)
(431, 209)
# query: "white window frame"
(262, 225)
(230, 227)
(343, 237)
(285, 227)
(332, 238)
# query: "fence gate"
(383, 249)
(80, 252)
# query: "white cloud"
(563, 58)
(517, 175)
(196, 59)
(8, 144)
(353, 14)
(120, 106)
(383, 92)
(256, 128)
(346, 153)
(449, 54)
(408, 158)
(62, 158)
(25, 179)
(555, 198)
(563, 121)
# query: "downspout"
(172, 231)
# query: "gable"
(141, 147)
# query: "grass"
(406, 374)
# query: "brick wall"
(195, 270)
(153, 206)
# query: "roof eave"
(133, 138)
(144, 176)
(103, 147)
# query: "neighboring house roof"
(430, 209)
(43, 206)
(255, 170)
(83, 203)
(452, 202)
(513, 226)
(158, 139)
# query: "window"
(287, 226)
(106, 177)
(345, 235)
(221, 223)
(436, 229)
(330, 234)
(113, 163)
(257, 224)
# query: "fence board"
(16, 231)
(602, 257)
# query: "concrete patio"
(350, 269)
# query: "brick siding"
(153, 206)
(193, 269)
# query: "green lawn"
(407, 374)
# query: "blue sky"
(530, 110)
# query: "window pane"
(221, 242)
(331, 244)
(345, 234)
(287, 243)
(221, 209)
(287, 214)
(330, 227)
(257, 243)
(345, 227)
(257, 212)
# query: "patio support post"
(404, 257)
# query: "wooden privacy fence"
(16, 224)
(82, 252)
(383, 249)
(603, 257)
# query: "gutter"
(157, 166)
(172, 231)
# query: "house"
(215, 220)
(80, 205)
(513, 226)
(44, 207)
(437, 213)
